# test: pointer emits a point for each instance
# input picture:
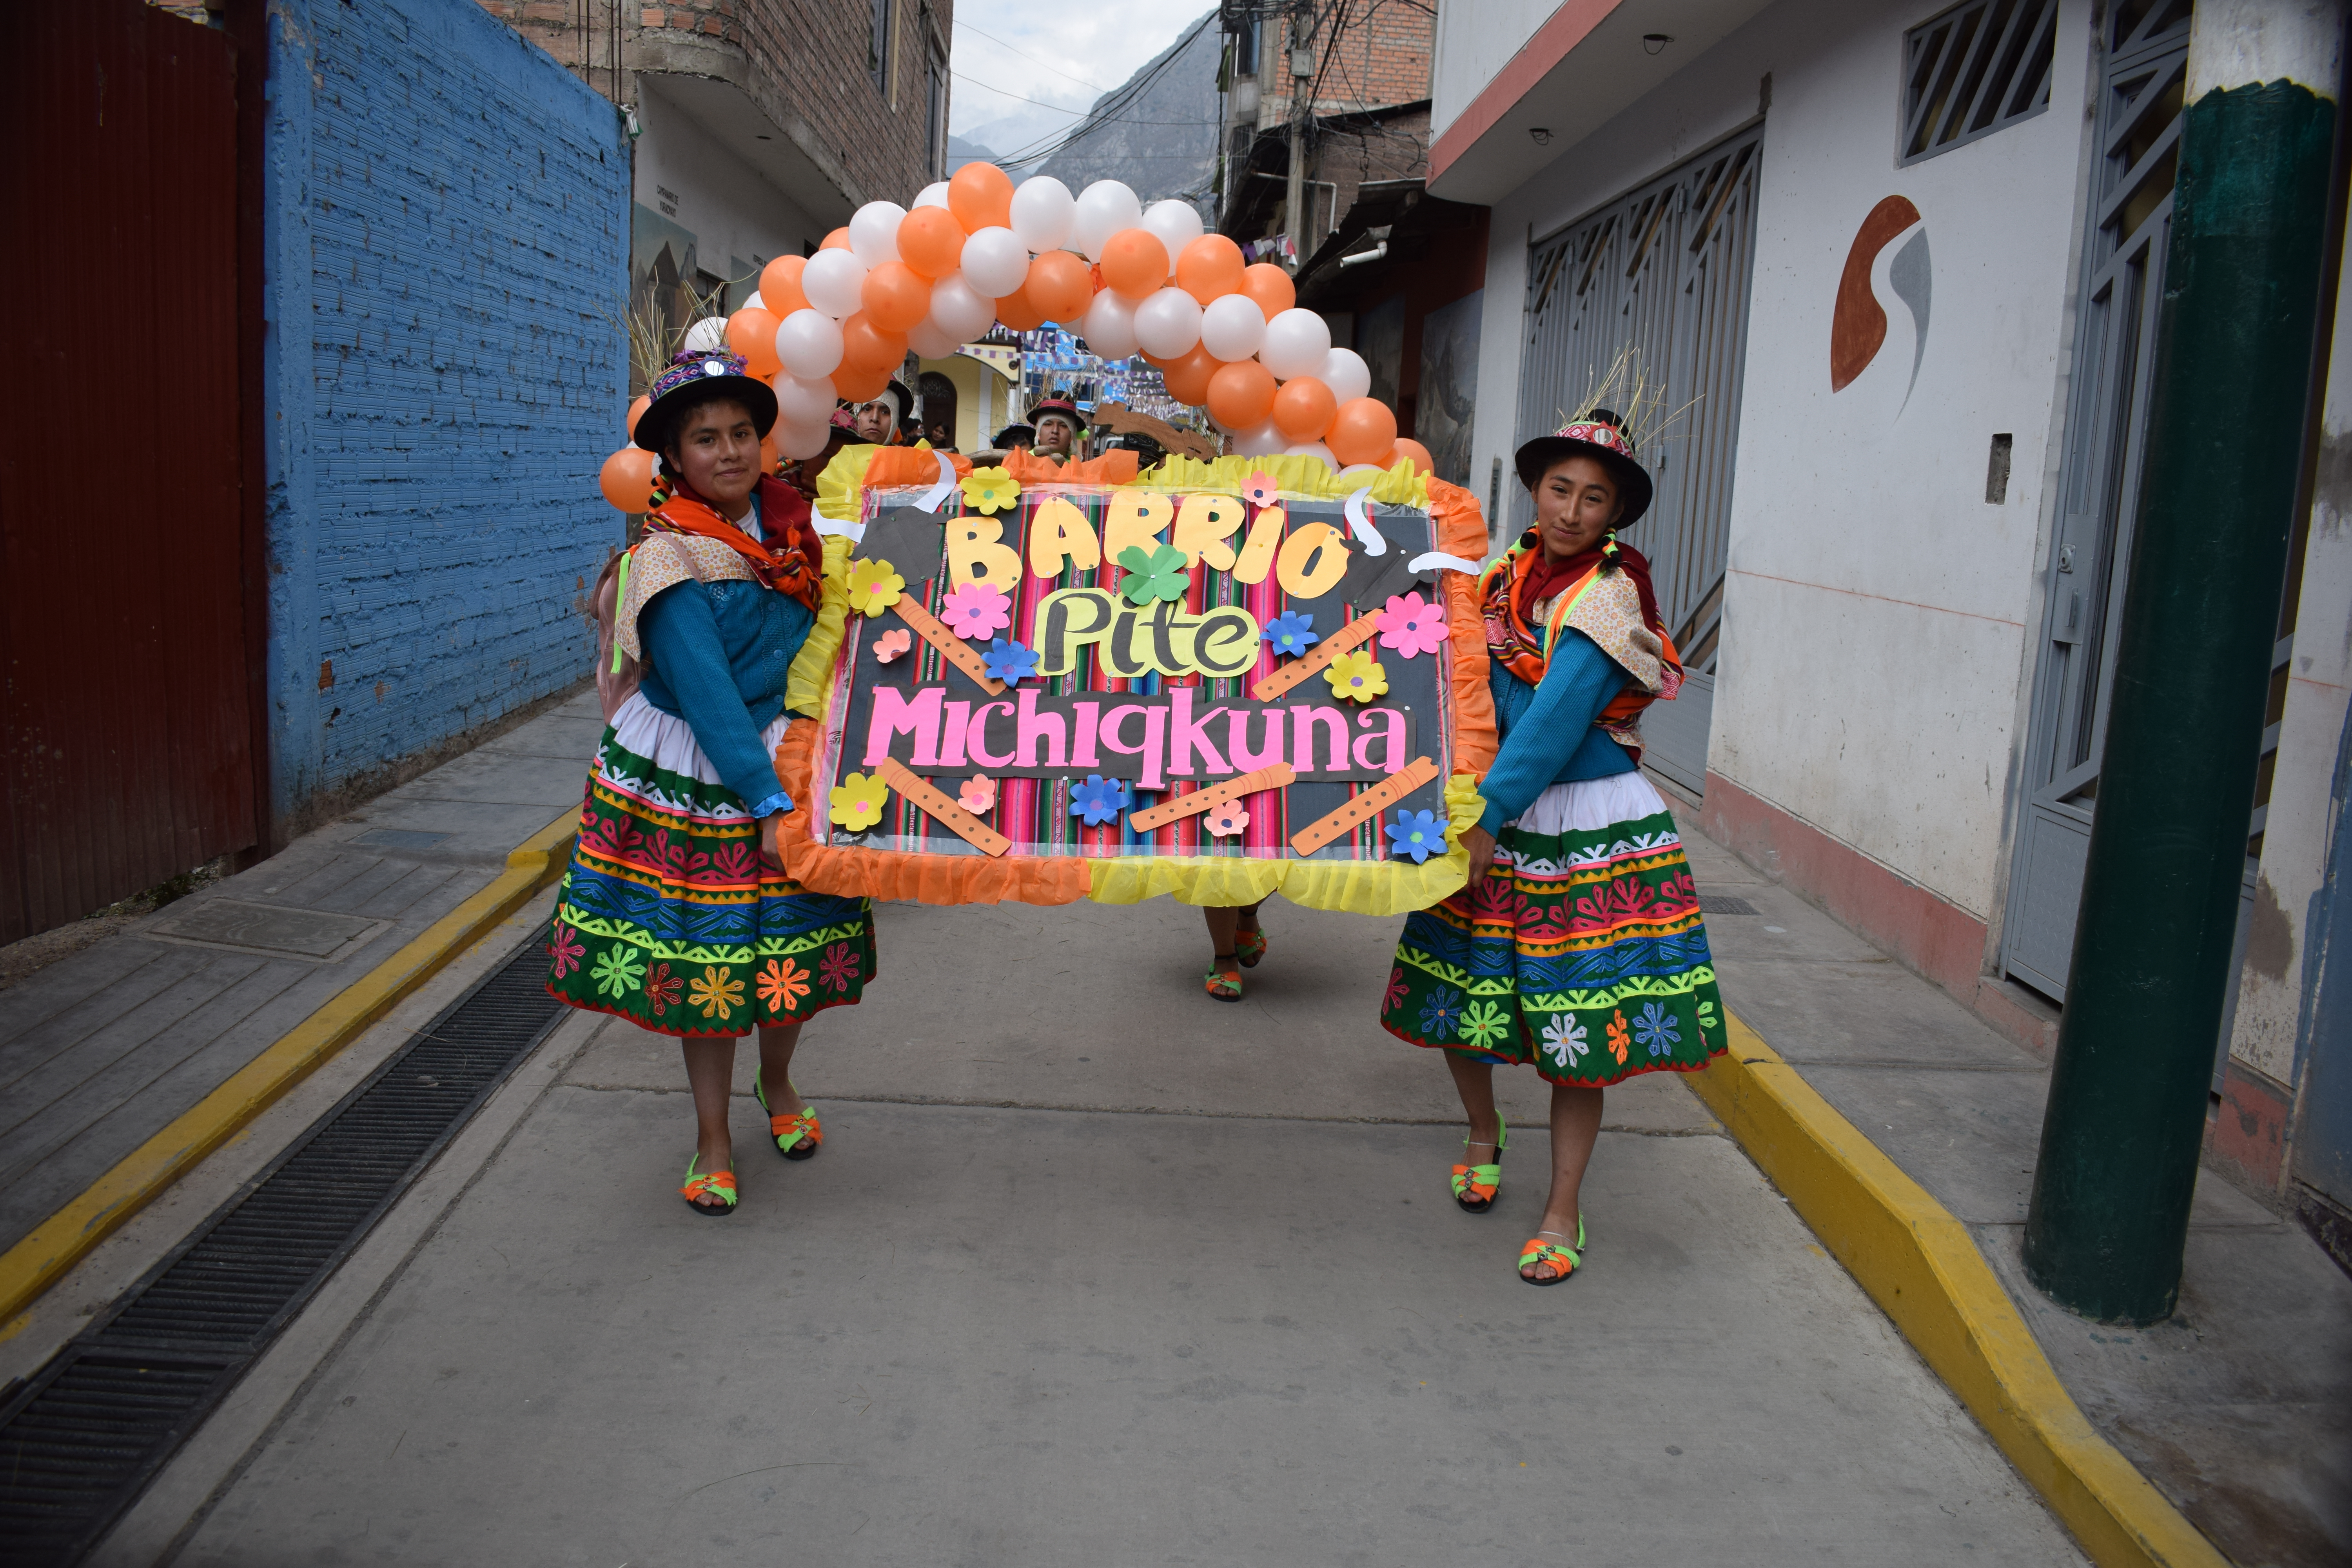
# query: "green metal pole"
(2227, 417)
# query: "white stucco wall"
(1879, 608)
(1475, 38)
(721, 201)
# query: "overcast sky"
(1063, 54)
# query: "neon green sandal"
(1562, 1261)
(799, 1135)
(1474, 1186)
(1225, 982)
(717, 1185)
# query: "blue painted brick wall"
(446, 266)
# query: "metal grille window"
(877, 46)
(1973, 70)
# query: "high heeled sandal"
(718, 1185)
(791, 1132)
(1249, 945)
(1474, 1186)
(1224, 981)
(1562, 1261)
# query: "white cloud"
(1061, 54)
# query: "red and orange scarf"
(1526, 575)
(791, 565)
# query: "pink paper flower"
(1226, 820)
(891, 643)
(1412, 625)
(1261, 490)
(978, 795)
(976, 610)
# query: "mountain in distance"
(1159, 137)
(963, 150)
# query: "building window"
(877, 46)
(935, 112)
(1973, 70)
(1241, 21)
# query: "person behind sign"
(1577, 945)
(1059, 426)
(675, 912)
(879, 420)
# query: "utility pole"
(2226, 428)
(1300, 60)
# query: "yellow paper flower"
(1356, 676)
(858, 801)
(873, 587)
(990, 489)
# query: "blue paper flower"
(1010, 661)
(1419, 833)
(1291, 633)
(1098, 800)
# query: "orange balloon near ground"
(1060, 285)
(1134, 262)
(1362, 429)
(866, 346)
(779, 286)
(981, 197)
(1270, 286)
(1210, 267)
(1188, 378)
(637, 410)
(1017, 310)
(1241, 395)
(1303, 409)
(627, 478)
(752, 334)
(1407, 447)
(895, 296)
(861, 385)
(931, 241)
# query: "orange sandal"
(798, 1136)
(1562, 1261)
(1249, 945)
(1224, 981)
(1474, 1186)
(718, 1185)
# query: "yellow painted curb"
(63, 1240)
(1921, 1266)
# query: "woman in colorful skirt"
(675, 913)
(1577, 945)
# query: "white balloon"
(1232, 326)
(1177, 223)
(995, 263)
(834, 281)
(873, 232)
(932, 340)
(1104, 208)
(754, 302)
(1297, 342)
(808, 345)
(709, 333)
(1109, 325)
(935, 194)
(1044, 212)
(798, 441)
(961, 311)
(1346, 373)
(1168, 323)
(1261, 440)
(1311, 449)
(803, 402)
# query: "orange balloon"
(627, 478)
(1362, 429)
(779, 286)
(1241, 395)
(981, 197)
(1270, 286)
(837, 240)
(931, 241)
(637, 411)
(769, 456)
(1210, 267)
(1407, 447)
(1303, 409)
(1134, 262)
(1060, 285)
(866, 346)
(1188, 378)
(752, 334)
(1016, 309)
(895, 296)
(861, 385)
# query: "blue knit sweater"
(1546, 731)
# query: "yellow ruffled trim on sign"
(808, 685)
(1402, 485)
(841, 485)
(1391, 887)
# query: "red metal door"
(125, 732)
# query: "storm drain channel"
(82, 1436)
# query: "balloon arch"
(977, 250)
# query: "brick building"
(760, 125)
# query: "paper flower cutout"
(978, 795)
(1291, 632)
(1009, 661)
(1261, 490)
(1411, 626)
(858, 800)
(976, 610)
(873, 587)
(1419, 833)
(892, 644)
(1356, 677)
(1226, 820)
(990, 489)
(1098, 800)
(1159, 576)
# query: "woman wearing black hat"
(1577, 945)
(675, 912)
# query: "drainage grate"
(1724, 904)
(83, 1435)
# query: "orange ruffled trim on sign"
(895, 874)
(1462, 530)
(911, 466)
(1113, 468)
